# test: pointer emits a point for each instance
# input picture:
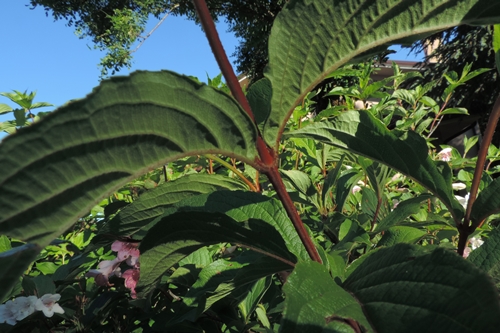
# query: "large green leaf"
(487, 256)
(487, 202)
(310, 39)
(315, 303)
(362, 133)
(408, 289)
(153, 203)
(14, 262)
(242, 206)
(54, 171)
(177, 235)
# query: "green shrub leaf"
(176, 236)
(315, 303)
(54, 171)
(405, 288)
(487, 202)
(14, 262)
(153, 203)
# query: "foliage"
(457, 47)
(158, 203)
(116, 26)
(23, 113)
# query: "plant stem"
(481, 160)
(268, 160)
(233, 169)
(220, 55)
(276, 180)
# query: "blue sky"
(46, 56)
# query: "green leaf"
(14, 262)
(242, 206)
(4, 108)
(486, 203)
(56, 170)
(222, 277)
(496, 44)
(361, 133)
(402, 211)
(315, 303)
(407, 289)
(344, 186)
(331, 179)
(487, 256)
(177, 235)
(254, 296)
(310, 39)
(299, 180)
(455, 111)
(259, 97)
(47, 267)
(401, 234)
(152, 204)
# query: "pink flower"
(356, 188)
(126, 251)
(106, 268)
(445, 155)
(131, 277)
(48, 304)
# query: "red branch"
(267, 155)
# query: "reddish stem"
(267, 155)
(275, 179)
(481, 160)
(466, 228)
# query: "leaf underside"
(310, 39)
(54, 171)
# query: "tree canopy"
(114, 26)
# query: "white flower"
(25, 306)
(445, 155)
(359, 105)
(17, 309)
(475, 242)
(463, 201)
(8, 313)
(458, 186)
(48, 304)
(397, 176)
(355, 189)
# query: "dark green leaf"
(407, 289)
(487, 256)
(315, 303)
(487, 202)
(14, 262)
(177, 235)
(259, 97)
(401, 234)
(152, 204)
(57, 169)
(222, 277)
(242, 206)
